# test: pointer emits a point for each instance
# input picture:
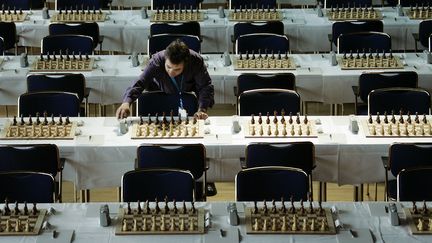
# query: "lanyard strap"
(179, 89)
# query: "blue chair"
(151, 184)
(413, 184)
(70, 44)
(244, 28)
(78, 4)
(413, 3)
(158, 43)
(364, 41)
(425, 31)
(16, 4)
(160, 4)
(88, 29)
(184, 28)
(248, 4)
(1, 46)
(268, 100)
(379, 80)
(345, 3)
(345, 27)
(262, 43)
(9, 34)
(165, 103)
(31, 187)
(191, 157)
(410, 100)
(51, 102)
(271, 183)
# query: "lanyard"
(179, 89)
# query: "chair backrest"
(18, 4)
(345, 27)
(158, 43)
(261, 43)
(399, 99)
(345, 3)
(379, 80)
(413, 184)
(51, 102)
(294, 154)
(409, 155)
(78, 4)
(88, 29)
(30, 157)
(160, 4)
(244, 28)
(69, 82)
(413, 3)
(425, 30)
(9, 34)
(271, 183)
(252, 4)
(364, 42)
(165, 103)
(184, 28)
(268, 100)
(251, 81)
(1, 45)
(149, 184)
(31, 187)
(67, 44)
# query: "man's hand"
(123, 111)
(201, 114)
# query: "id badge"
(182, 112)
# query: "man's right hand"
(123, 111)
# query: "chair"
(191, 157)
(16, 4)
(379, 80)
(244, 28)
(32, 187)
(88, 29)
(72, 83)
(78, 4)
(159, 4)
(151, 184)
(236, 4)
(9, 34)
(413, 3)
(33, 157)
(268, 100)
(410, 100)
(271, 183)
(51, 102)
(255, 43)
(67, 44)
(413, 184)
(405, 156)
(345, 3)
(158, 43)
(249, 81)
(165, 103)
(345, 27)
(425, 31)
(364, 41)
(184, 28)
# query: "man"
(174, 70)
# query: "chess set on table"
(370, 61)
(280, 127)
(419, 220)
(168, 128)
(177, 15)
(38, 129)
(149, 220)
(12, 16)
(404, 126)
(255, 14)
(354, 13)
(263, 62)
(419, 12)
(21, 221)
(282, 220)
(60, 63)
(79, 15)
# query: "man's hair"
(177, 52)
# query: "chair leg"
(376, 191)
(85, 195)
(119, 193)
(322, 192)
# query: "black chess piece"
(259, 54)
(171, 117)
(283, 116)
(166, 208)
(305, 120)
(147, 207)
(321, 210)
(358, 54)
(265, 207)
(187, 120)
(290, 120)
(60, 122)
(414, 208)
(391, 54)
(268, 118)
(149, 121)
(179, 119)
(364, 54)
(409, 117)
(45, 122)
(274, 210)
(416, 118)
(393, 119)
(16, 210)
(292, 209)
(425, 119)
(283, 205)
(272, 55)
(157, 208)
(259, 118)
(80, 56)
(302, 208)
(6, 208)
(255, 209)
(311, 209)
(247, 55)
(240, 56)
(164, 119)
(275, 119)
(14, 122)
(351, 56)
(94, 10)
(401, 119)
(67, 121)
(425, 210)
(139, 209)
(129, 210)
(253, 55)
(279, 57)
(252, 119)
(35, 211)
(157, 119)
(385, 117)
(175, 207)
(22, 120)
(30, 120)
(37, 118)
(52, 119)
(194, 121)
(184, 207)
(378, 119)
(298, 118)
(87, 56)
(26, 212)
(193, 207)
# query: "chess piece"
(319, 10)
(417, 119)
(184, 210)
(290, 121)
(24, 60)
(265, 209)
(16, 210)
(255, 209)
(268, 118)
(424, 119)
(292, 209)
(274, 210)
(25, 209)
(298, 119)
(420, 224)
(425, 210)
(221, 12)
(14, 122)
(259, 118)
(144, 14)
(124, 225)
(227, 59)
(134, 59)
(6, 209)
(157, 208)
(333, 59)
(166, 208)
(378, 119)
(35, 210)
(153, 223)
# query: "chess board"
(419, 220)
(354, 14)
(63, 64)
(419, 13)
(397, 127)
(255, 15)
(168, 220)
(13, 16)
(278, 62)
(177, 16)
(190, 128)
(288, 220)
(280, 127)
(15, 130)
(79, 16)
(20, 223)
(370, 62)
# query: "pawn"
(401, 119)
(385, 117)
(252, 119)
(275, 119)
(268, 118)
(175, 207)
(129, 210)
(424, 119)
(35, 210)
(292, 209)
(290, 120)
(409, 117)
(193, 207)
(302, 208)
(417, 119)
(67, 121)
(147, 207)
(259, 118)
(164, 119)
(255, 209)
(157, 208)
(283, 205)
(22, 120)
(425, 210)
(139, 209)
(393, 119)
(378, 119)
(6, 209)
(265, 209)
(274, 210)
(14, 122)
(305, 120)
(16, 210)
(26, 212)
(298, 118)
(184, 210)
